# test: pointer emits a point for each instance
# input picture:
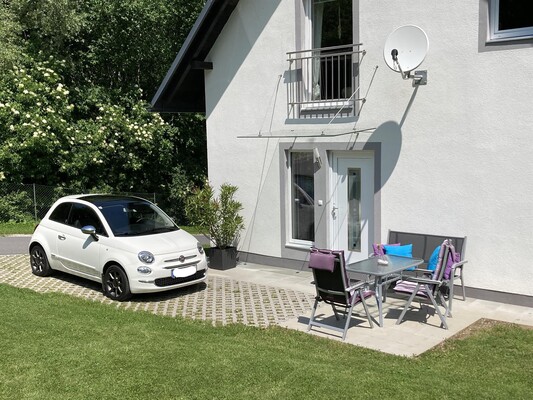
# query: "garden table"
(383, 274)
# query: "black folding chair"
(333, 287)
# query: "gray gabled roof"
(183, 89)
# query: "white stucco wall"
(458, 162)
(248, 59)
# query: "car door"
(76, 251)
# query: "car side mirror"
(90, 230)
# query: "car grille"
(161, 282)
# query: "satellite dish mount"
(405, 49)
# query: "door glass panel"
(354, 209)
(303, 196)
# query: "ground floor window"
(511, 19)
(302, 195)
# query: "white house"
(331, 147)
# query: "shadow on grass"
(136, 298)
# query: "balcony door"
(332, 69)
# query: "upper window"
(325, 72)
(332, 69)
(511, 19)
(331, 22)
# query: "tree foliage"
(10, 42)
(115, 44)
(73, 96)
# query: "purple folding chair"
(430, 290)
(333, 287)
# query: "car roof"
(102, 199)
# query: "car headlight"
(146, 257)
(144, 269)
(200, 248)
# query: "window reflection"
(303, 196)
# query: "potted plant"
(220, 221)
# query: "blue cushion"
(404, 251)
(432, 264)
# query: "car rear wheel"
(115, 284)
(39, 262)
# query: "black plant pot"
(222, 258)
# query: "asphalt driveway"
(10, 245)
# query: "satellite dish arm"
(394, 54)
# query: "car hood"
(160, 243)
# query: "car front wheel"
(39, 262)
(115, 284)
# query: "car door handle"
(61, 237)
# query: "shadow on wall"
(236, 40)
(389, 134)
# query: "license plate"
(183, 272)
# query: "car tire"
(39, 262)
(115, 284)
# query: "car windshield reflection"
(135, 218)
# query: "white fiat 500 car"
(126, 243)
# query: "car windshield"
(132, 217)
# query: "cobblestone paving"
(218, 299)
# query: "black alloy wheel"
(39, 262)
(115, 284)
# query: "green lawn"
(17, 228)
(55, 346)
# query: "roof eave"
(187, 69)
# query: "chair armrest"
(458, 265)
(416, 279)
(421, 271)
(358, 285)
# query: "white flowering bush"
(46, 139)
(34, 114)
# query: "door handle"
(61, 237)
(334, 211)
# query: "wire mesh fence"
(26, 202)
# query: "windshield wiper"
(161, 229)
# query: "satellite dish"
(405, 49)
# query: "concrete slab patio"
(419, 332)
(264, 296)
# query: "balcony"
(323, 82)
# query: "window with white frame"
(302, 191)
(510, 20)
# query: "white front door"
(352, 204)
